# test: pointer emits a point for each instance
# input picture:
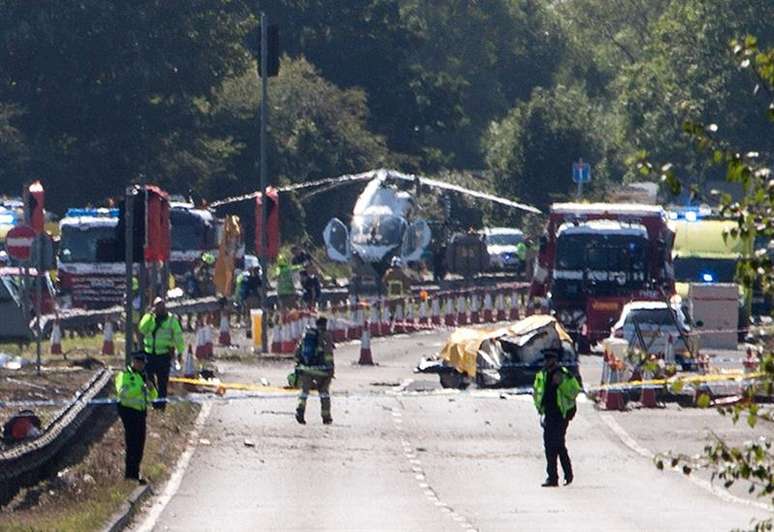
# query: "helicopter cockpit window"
(377, 230)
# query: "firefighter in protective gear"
(314, 368)
(162, 338)
(555, 390)
(134, 393)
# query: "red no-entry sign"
(18, 242)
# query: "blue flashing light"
(707, 277)
(95, 213)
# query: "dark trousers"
(134, 436)
(554, 432)
(157, 369)
(323, 384)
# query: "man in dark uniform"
(555, 390)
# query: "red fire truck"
(595, 257)
(91, 259)
(89, 270)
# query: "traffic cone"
(365, 349)
(500, 307)
(488, 310)
(449, 317)
(108, 347)
(611, 398)
(56, 339)
(224, 334)
(648, 396)
(513, 313)
(474, 308)
(462, 311)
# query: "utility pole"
(264, 175)
(129, 242)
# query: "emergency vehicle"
(596, 257)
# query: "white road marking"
(173, 484)
(719, 492)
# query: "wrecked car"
(505, 357)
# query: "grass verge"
(89, 486)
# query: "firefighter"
(134, 391)
(555, 390)
(162, 338)
(286, 288)
(314, 368)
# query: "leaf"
(752, 420)
(660, 465)
(686, 470)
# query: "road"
(404, 455)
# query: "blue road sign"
(581, 172)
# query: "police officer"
(134, 393)
(162, 337)
(555, 390)
(314, 367)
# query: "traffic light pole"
(129, 237)
(263, 252)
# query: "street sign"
(581, 172)
(18, 242)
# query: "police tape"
(265, 392)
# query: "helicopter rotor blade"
(462, 190)
(328, 183)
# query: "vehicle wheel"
(453, 379)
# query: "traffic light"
(273, 52)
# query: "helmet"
(282, 260)
(251, 261)
(396, 262)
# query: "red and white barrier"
(374, 321)
(488, 308)
(56, 339)
(108, 346)
(410, 324)
(500, 307)
(462, 310)
(435, 311)
(611, 398)
(189, 367)
(385, 326)
(203, 342)
(276, 338)
(423, 318)
(513, 313)
(475, 308)
(224, 332)
(366, 359)
(399, 323)
(449, 316)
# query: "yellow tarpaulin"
(461, 349)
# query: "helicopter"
(385, 219)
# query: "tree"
(752, 463)
(13, 150)
(112, 90)
(317, 131)
(531, 150)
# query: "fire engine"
(89, 270)
(596, 257)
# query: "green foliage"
(531, 151)
(752, 463)
(111, 90)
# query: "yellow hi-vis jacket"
(133, 391)
(161, 338)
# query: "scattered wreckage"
(506, 357)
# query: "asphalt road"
(404, 455)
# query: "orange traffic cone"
(56, 339)
(108, 347)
